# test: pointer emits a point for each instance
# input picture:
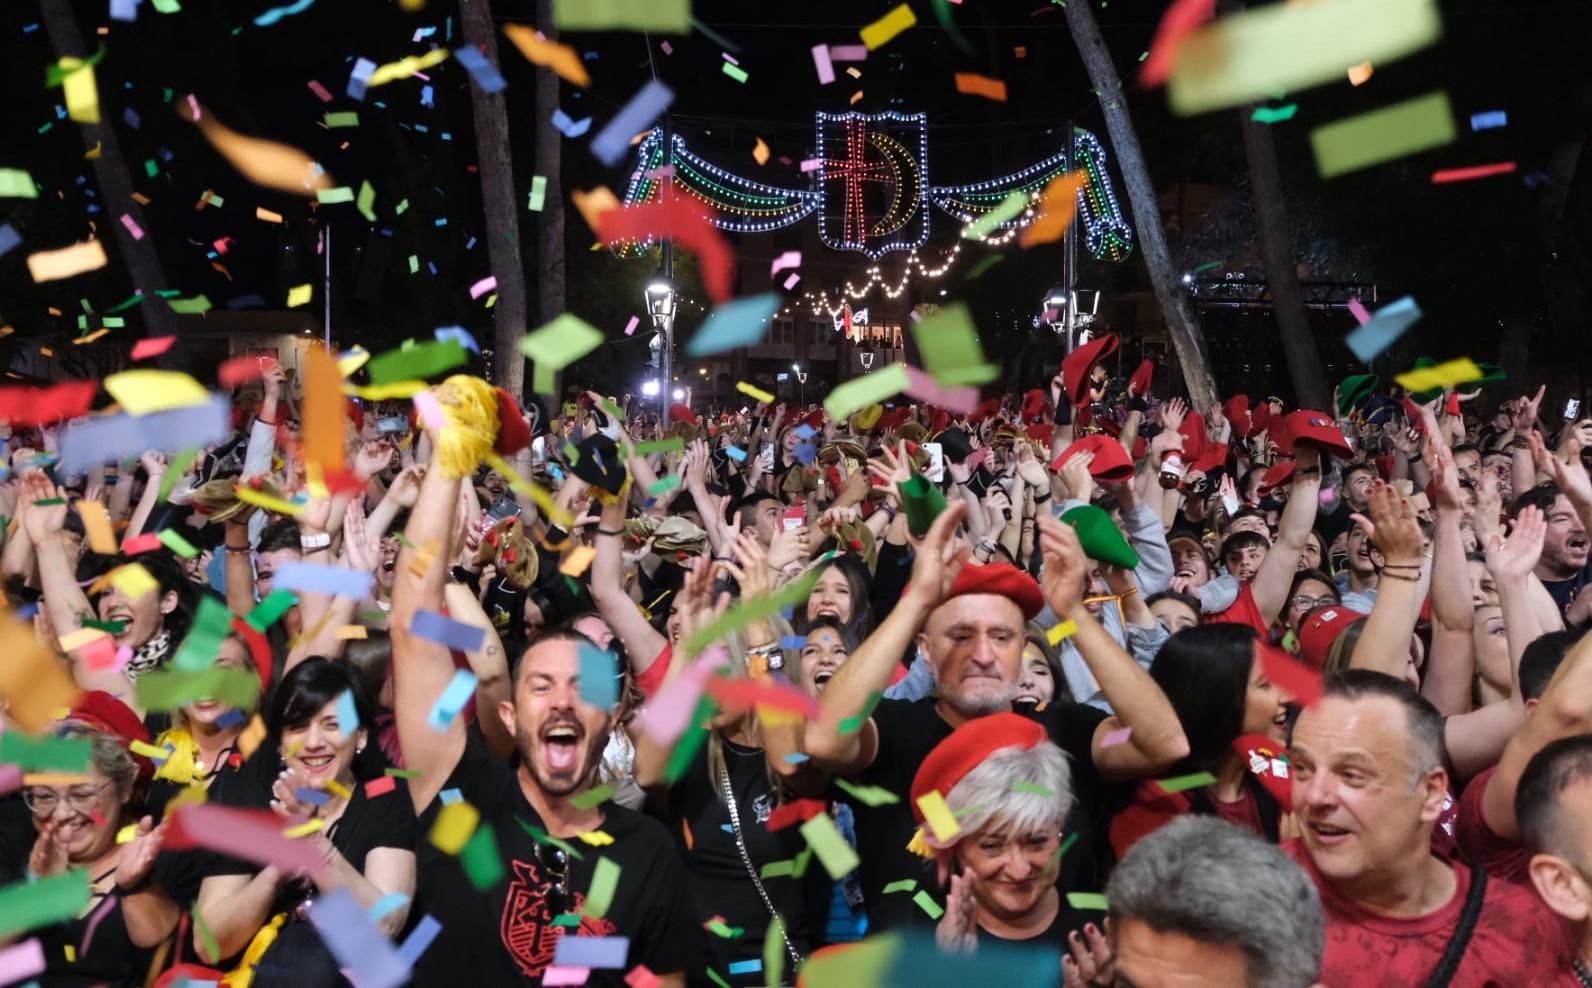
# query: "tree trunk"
(1187, 339)
(497, 198)
(549, 151)
(116, 185)
(1282, 275)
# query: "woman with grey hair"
(991, 800)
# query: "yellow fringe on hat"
(920, 846)
(471, 408)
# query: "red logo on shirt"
(527, 927)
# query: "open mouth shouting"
(561, 741)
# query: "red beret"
(1075, 367)
(1260, 419)
(1315, 428)
(682, 413)
(1034, 405)
(513, 434)
(1040, 432)
(814, 420)
(1236, 409)
(891, 419)
(939, 421)
(1275, 476)
(967, 747)
(1213, 457)
(1194, 436)
(985, 410)
(1002, 580)
(1320, 630)
(108, 715)
(1142, 378)
(1110, 463)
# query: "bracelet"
(1041, 499)
(241, 550)
(1406, 577)
(609, 531)
(309, 543)
(265, 421)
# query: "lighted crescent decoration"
(870, 188)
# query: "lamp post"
(801, 381)
(866, 357)
(661, 301)
(1052, 310)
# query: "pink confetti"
(193, 105)
(132, 226)
(667, 171)
(94, 922)
(1116, 737)
(21, 962)
(124, 655)
(792, 280)
(848, 53)
(10, 779)
(668, 49)
(730, 58)
(152, 346)
(821, 62)
(483, 286)
(789, 259)
(223, 245)
(812, 164)
(320, 90)
(630, 327)
(430, 410)
(1360, 314)
(925, 388)
(668, 713)
(565, 975)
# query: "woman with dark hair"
(1234, 719)
(311, 770)
(1040, 681)
(841, 593)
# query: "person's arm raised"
(422, 668)
(1157, 741)
(868, 671)
(1275, 576)
(642, 642)
(1384, 643)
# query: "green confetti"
(1270, 115)
(203, 932)
(482, 863)
(403, 773)
(109, 627)
(604, 881)
(270, 610)
(904, 885)
(196, 306)
(719, 928)
(686, 748)
(567, 919)
(45, 754)
(151, 168)
(926, 903)
(347, 118)
(1031, 788)
(1087, 900)
(851, 725)
(367, 199)
(176, 543)
(29, 905)
(747, 611)
(868, 795)
(1007, 210)
(167, 7)
(212, 623)
(168, 689)
(774, 951)
(17, 184)
(538, 197)
(541, 836)
(948, 341)
(712, 974)
(801, 861)
(174, 472)
(659, 446)
(778, 869)
(49, 502)
(1395, 131)
(1184, 782)
(340, 194)
(420, 361)
(834, 853)
(664, 484)
(734, 72)
(592, 797)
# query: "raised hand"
(1445, 477)
(138, 855)
(1173, 412)
(373, 457)
(1515, 557)
(940, 558)
(1392, 526)
(360, 551)
(42, 521)
(1075, 474)
(1568, 473)
(1526, 410)
(789, 547)
(48, 856)
(751, 567)
(1090, 959)
(1030, 469)
(154, 463)
(894, 466)
(957, 931)
(1066, 569)
(405, 487)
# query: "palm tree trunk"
(1187, 339)
(1282, 276)
(549, 151)
(116, 185)
(497, 198)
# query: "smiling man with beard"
(508, 934)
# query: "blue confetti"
(347, 713)
(793, 641)
(599, 676)
(795, 758)
(416, 943)
(805, 452)
(131, 118)
(450, 796)
(806, 431)
(425, 95)
(746, 967)
(481, 69)
(1489, 120)
(277, 13)
(458, 333)
(307, 795)
(231, 718)
(9, 238)
(359, 79)
(735, 453)
(569, 127)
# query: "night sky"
(1479, 257)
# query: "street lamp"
(866, 357)
(801, 380)
(661, 300)
(1052, 310)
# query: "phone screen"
(794, 517)
(1572, 408)
(936, 471)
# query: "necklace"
(1581, 973)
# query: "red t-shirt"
(652, 677)
(1498, 856)
(1517, 940)
(1243, 611)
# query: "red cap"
(1320, 630)
(1140, 382)
(814, 420)
(985, 410)
(1076, 365)
(1034, 405)
(1110, 463)
(1001, 580)
(1213, 457)
(1195, 439)
(950, 760)
(1260, 419)
(1040, 432)
(513, 434)
(108, 715)
(939, 421)
(1236, 409)
(682, 413)
(1315, 428)
(1275, 476)
(891, 419)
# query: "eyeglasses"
(554, 862)
(1305, 603)
(43, 802)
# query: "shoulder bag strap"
(1455, 952)
(746, 859)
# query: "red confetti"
(687, 224)
(1178, 23)
(240, 369)
(140, 543)
(152, 346)
(749, 693)
(380, 786)
(795, 812)
(1476, 171)
(640, 976)
(43, 406)
(1296, 679)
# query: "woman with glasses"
(75, 827)
(1311, 589)
(312, 771)
(1008, 790)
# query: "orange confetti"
(1057, 208)
(760, 153)
(981, 85)
(562, 59)
(1360, 74)
(855, 97)
(52, 265)
(265, 163)
(594, 203)
(261, 213)
(324, 410)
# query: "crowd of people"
(1083, 682)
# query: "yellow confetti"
(53, 778)
(1062, 631)
(261, 213)
(74, 640)
(754, 392)
(594, 203)
(386, 392)
(82, 95)
(351, 632)
(142, 391)
(97, 524)
(90, 338)
(71, 951)
(300, 295)
(939, 816)
(578, 560)
(251, 737)
(148, 750)
(338, 789)
(406, 67)
(305, 829)
(133, 581)
(596, 838)
(455, 824)
(882, 30)
(127, 833)
(53, 265)
(352, 360)
(1442, 376)
(93, 153)
(273, 504)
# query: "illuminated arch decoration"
(871, 191)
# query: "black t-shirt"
(111, 958)
(366, 824)
(908, 731)
(1563, 591)
(718, 878)
(506, 935)
(1054, 937)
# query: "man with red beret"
(969, 621)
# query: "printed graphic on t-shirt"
(527, 927)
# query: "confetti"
(834, 853)
(1005, 211)
(734, 71)
(1181, 18)
(556, 345)
(37, 903)
(1183, 783)
(152, 346)
(1116, 737)
(600, 896)
(1062, 632)
(361, 948)
(537, 50)
(1380, 331)
(265, 163)
(454, 824)
(1057, 208)
(1382, 135)
(453, 698)
(1087, 900)
(481, 69)
(689, 225)
(277, 13)
(926, 902)
(1443, 375)
(538, 197)
(669, 16)
(879, 33)
(949, 345)
(868, 795)
(980, 85)
(406, 67)
(613, 141)
(65, 262)
(938, 816)
(1270, 115)
(592, 952)
(753, 392)
(1489, 120)
(45, 754)
(97, 525)
(760, 152)
(869, 389)
(570, 127)
(823, 65)
(1447, 175)
(741, 322)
